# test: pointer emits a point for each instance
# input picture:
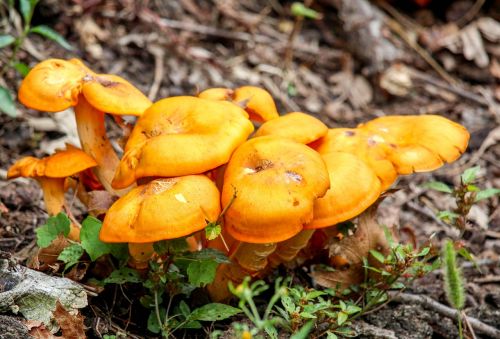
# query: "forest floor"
(334, 68)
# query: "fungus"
(300, 127)
(162, 209)
(276, 181)
(54, 85)
(182, 136)
(256, 101)
(51, 172)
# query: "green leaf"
(298, 9)
(304, 331)
(22, 68)
(122, 276)
(438, 186)
(208, 254)
(153, 324)
(171, 246)
(352, 309)
(89, 236)
(342, 317)
(288, 304)
(213, 230)
(377, 255)
(184, 308)
(486, 194)
(71, 255)
(214, 312)
(453, 279)
(49, 33)
(201, 273)
(27, 7)
(7, 103)
(55, 225)
(447, 216)
(424, 252)
(6, 40)
(470, 175)
(331, 335)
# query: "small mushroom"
(256, 101)
(51, 172)
(162, 209)
(182, 136)
(54, 85)
(300, 127)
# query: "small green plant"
(27, 8)
(310, 313)
(453, 281)
(466, 194)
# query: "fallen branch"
(444, 310)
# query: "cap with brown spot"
(162, 209)
(300, 127)
(181, 136)
(276, 182)
(418, 143)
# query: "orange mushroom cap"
(162, 209)
(300, 127)
(359, 143)
(256, 101)
(276, 182)
(419, 143)
(62, 164)
(54, 85)
(354, 187)
(181, 136)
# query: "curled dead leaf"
(346, 253)
(71, 324)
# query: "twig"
(446, 311)
(397, 28)
(471, 13)
(159, 71)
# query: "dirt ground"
(334, 68)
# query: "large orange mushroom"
(181, 136)
(54, 85)
(51, 173)
(256, 101)
(162, 209)
(270, 185)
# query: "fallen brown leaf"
(346, 253)
(71, 325)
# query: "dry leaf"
(346, 254)
(352, 87)
(71, 325)
(490, 28)
(397, 80)
(473, 47)
(99, 202)
(45, 257)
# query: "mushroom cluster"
(190, 157)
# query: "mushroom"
(300, 127)
(51, 172)
(182, 136)
(256, 101)
(162, 209)
(55, 85)
(276, 181)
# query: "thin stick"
(446, 311)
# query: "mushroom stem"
(247, 259)
(53, 195)
(140, 253)
(287, 250)
(92, 132)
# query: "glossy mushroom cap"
(276, 182)
(419, 143)
(354, 187)
(256, 101)
(62, 164)
(55, 85)
(182, 136)
(300, 127)
(162, 209)
(360, 144)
